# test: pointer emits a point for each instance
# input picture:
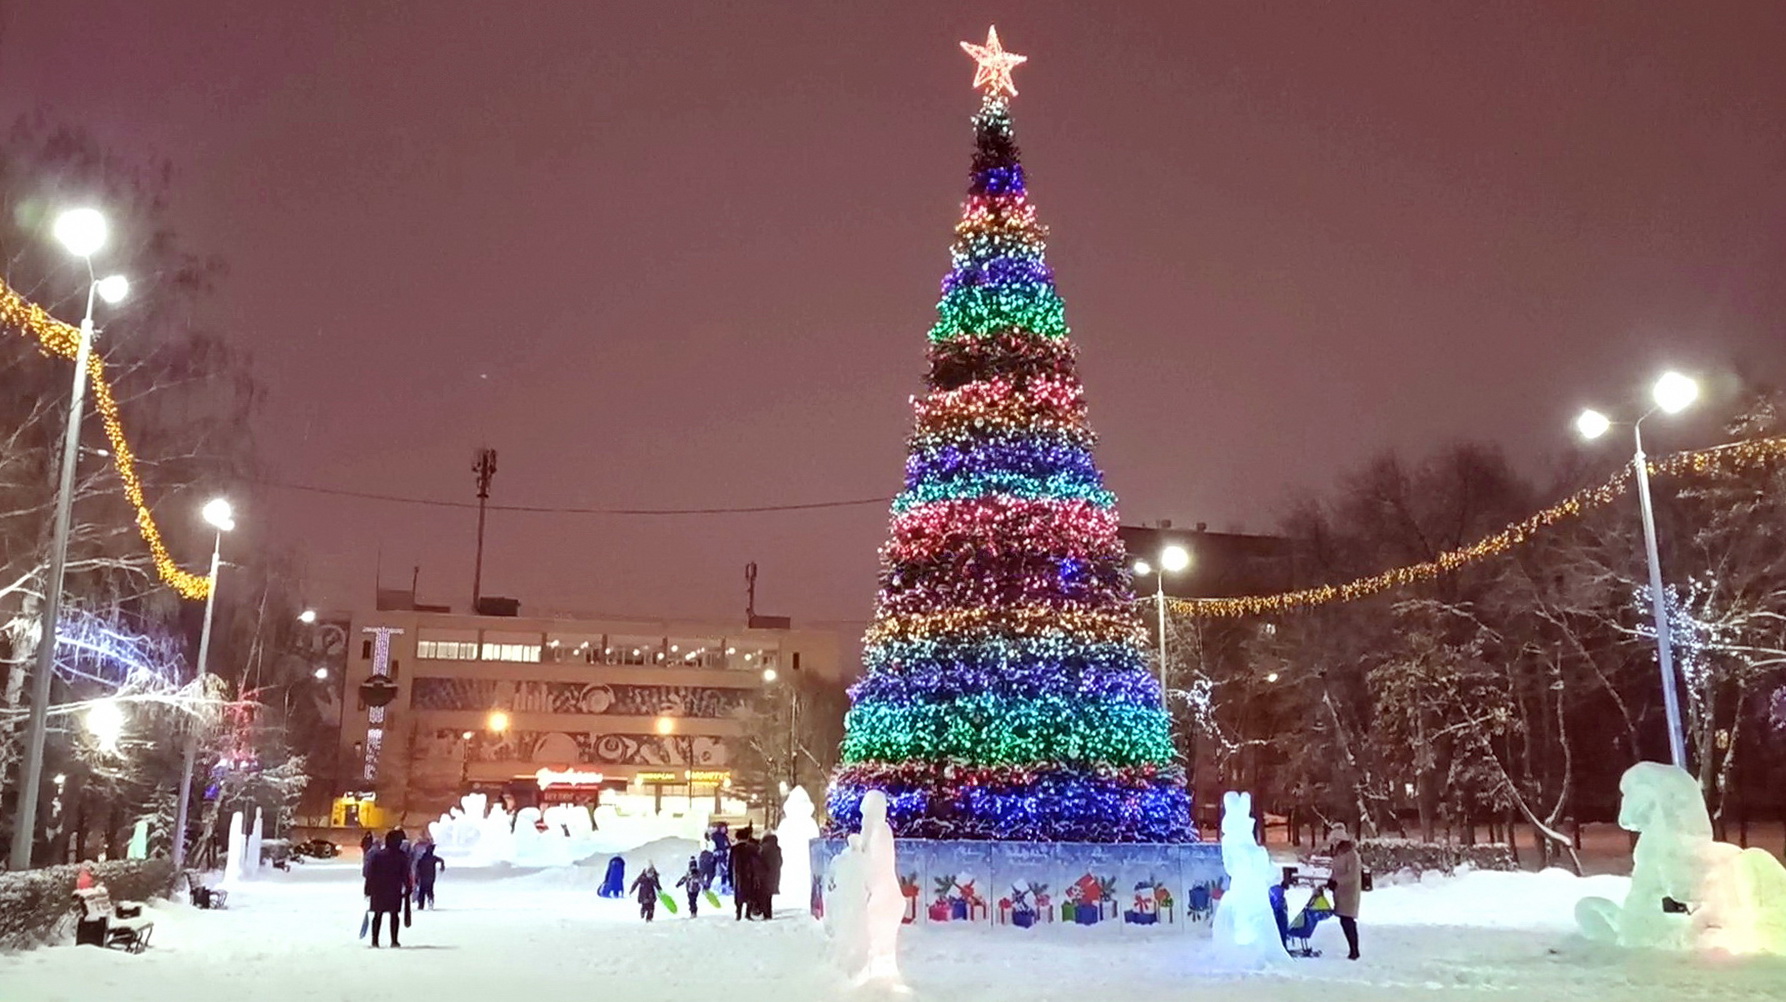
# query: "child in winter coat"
(694, 882)
(648, 887)
(427, 866)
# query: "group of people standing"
(392, 873)
(749, 870)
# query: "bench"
(116, 927)
(202, 896)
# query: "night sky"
(684, 254)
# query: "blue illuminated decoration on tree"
(1006, 692)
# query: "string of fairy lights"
(57, 338)
(1735, 457)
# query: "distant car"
(317, 848)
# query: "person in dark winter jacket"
(692, 881)
(647, 886)
(768, 874)
(746, 869)
(387, 884)
(722, 856)
(427, 865)
(708, 864)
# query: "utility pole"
(485, 468)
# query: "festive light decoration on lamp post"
(57, 338)
(83, 232)
(1006, 692)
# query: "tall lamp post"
(218, 513)
(1173, 559)
(1672, 394)
(82, 232)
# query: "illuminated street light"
(1672, 393)
(1173, 558)
(1592, 424)
(82, 231)
(113, 289)
(768, 674)
(322, 674)
(105, 721)
(221, 517)
(665, 725)
(498, 721)
(307, 617)
(219, 514)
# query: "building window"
(365, 650)
(446, 650)
(511, 652)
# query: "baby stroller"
(1296, 932)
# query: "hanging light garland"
(58, 338)
(1735, 457)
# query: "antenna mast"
(485, 468)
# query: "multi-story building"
(538, 710)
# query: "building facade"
(438, 704)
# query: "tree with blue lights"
(1006, 692)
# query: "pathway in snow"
(505, 935)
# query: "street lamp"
(83, 233)
(1672, 393)
(1173, 559)
(497, 722)
(220, 516)
(105, 721)
(307, 617)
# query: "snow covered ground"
(506, 934)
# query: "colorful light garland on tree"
(1006, 692)
(58, 338)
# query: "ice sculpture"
(1245, 928)
(1688, 892)
(795, 833)
(236, 846)
(864, 905)
(251, 852)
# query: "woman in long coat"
(1347, 883)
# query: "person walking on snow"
(387, 884)
(768, 874)
(427, 865)
(746, 872)
(1347, 884)
(693, 881)
(648, 887)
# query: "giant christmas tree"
(1006, 693)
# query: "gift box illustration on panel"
(1087, 898)
(1144, 908)
(1023, 907)
(956, 900)
(908, 885)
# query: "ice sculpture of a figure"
(795, 833)
(251, 854)
(236, 847)
(1687, 891)
(864, 905)
(845, 899)
(885, 911)
(1245, 929)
